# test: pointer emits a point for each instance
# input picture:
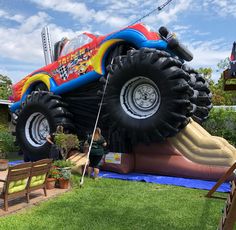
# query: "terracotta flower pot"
(50, 184)
(64, 184)
(3, 164)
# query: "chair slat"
(34, 168)
(39, 172)
(41, 162)
(20, 166)
(18, 177)
(21, 172)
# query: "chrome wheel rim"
(140, 97)
(37, 129)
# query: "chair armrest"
(1, 180)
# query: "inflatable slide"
(193, 153)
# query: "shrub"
(7, 142)
(66, 142)
(3, 120)
(222, 123)
(63, 163)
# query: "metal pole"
(47, 45)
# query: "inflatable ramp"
(79, 159)
(193, 153)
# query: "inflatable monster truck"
(150, 95)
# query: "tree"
(219, 96)
(5, 87)
(207, 72)
(223, 64)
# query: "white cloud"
(16, 17)
(208, 57)
(84, 13)
(215, 8)
(169, 14)
(23, 44)
(116, 13)
(117, 22)
(34, 22)
(16, 72)
(200, 33)
(180, 30)
(208, 54)
(225, 7)
(76, 9)
(181, 27)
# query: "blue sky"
(207, 27)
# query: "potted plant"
(53, 175)
(63, 164)
(64, 168)
(66, 142)
(64, 179)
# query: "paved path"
(36, 197)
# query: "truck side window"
(75, 43)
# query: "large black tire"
(160, 111)
(39, 116)
(38, 87)
(202, 95)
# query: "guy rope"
(95, 126)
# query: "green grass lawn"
(114, 204)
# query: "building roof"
(5, 102)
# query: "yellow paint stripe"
(96, 61)
(38, 77)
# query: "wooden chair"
(16, 183)
(39, 175)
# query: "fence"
(225, 107)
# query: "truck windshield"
(75, 43)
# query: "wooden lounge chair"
(16, 183)
(39, 175)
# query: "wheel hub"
(140, 97)
(37, 129)
(144, 96)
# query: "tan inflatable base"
(192, 153)
(126, 166)
(158, 159)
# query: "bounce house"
(152, 103)
(192, 153)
